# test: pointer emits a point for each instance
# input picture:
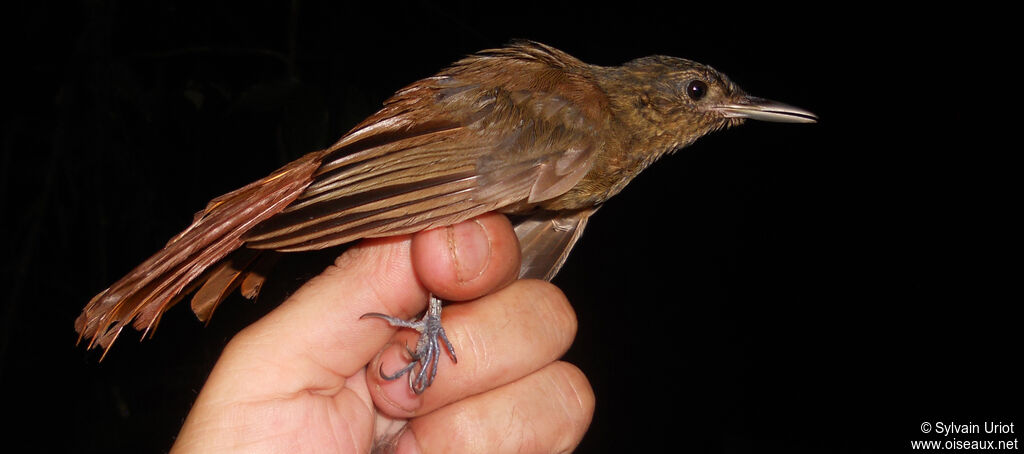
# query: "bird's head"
(681, 100)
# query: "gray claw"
(428, 352)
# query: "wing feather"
(447, 148)
(505, 129)
(546, 239)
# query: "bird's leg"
(428, 349)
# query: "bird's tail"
(184, 263)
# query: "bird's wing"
(448, 148)
(504, 126)
(546, 238)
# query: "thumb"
(315, 339)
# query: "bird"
(525, 129)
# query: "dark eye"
(696, 89)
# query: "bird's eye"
(696, 89)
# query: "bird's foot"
(428, 348)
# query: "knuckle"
(554, 419)
(554, 309)
(572, 391)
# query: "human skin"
(306, 377)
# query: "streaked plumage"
(525, 130)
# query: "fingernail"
(471, 249)
(395, 393)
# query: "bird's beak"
(765, 110)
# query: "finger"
(316, 338)
(547, 411)
(498, 338)
(469, 259)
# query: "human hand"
(305, 378)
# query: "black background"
(813, 288)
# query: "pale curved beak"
(765, 110)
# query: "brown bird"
(525, 130)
